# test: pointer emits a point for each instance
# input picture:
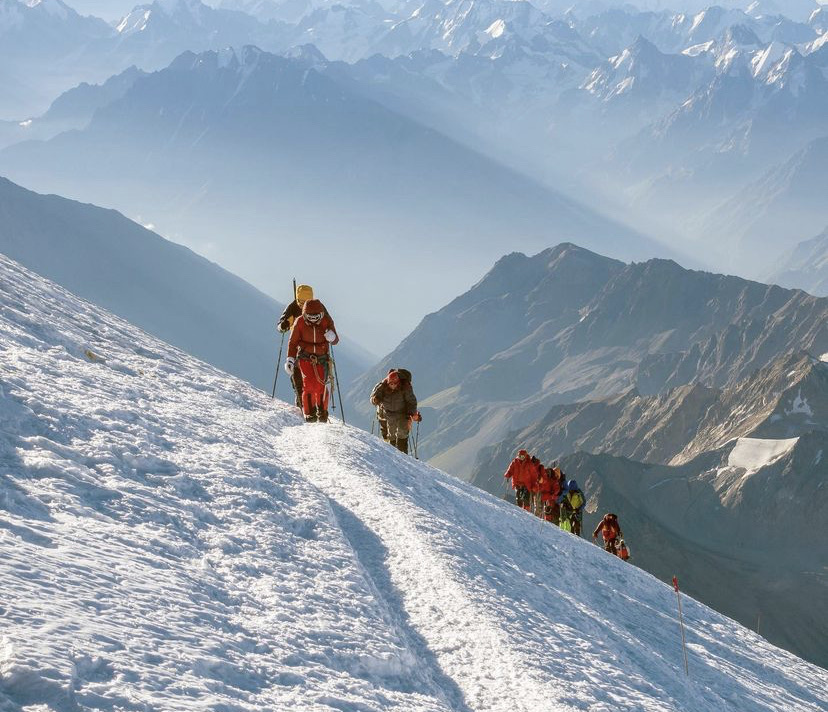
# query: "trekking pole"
(281, 346)
(681, 625)
(373, 423)
(329, 386)
(416, 440)
(338, 392)
(278, 362)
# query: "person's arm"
(410, 401)
(289, 315)
(295, 337)
(376, 393)
(330, 331)
(510, 471)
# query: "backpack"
(623, 550)
(576, 500)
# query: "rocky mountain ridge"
(786, 399)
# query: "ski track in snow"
(174, 540)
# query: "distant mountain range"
(164, 288)
(251, 149)
(666, 118)
(71, 110)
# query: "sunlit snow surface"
(174, 540)
(756, 453)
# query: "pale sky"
(115, 9)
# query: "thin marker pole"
(681, 625)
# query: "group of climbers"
(547, 493)
(312, 333)
(544, 491)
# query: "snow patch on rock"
(753, 454)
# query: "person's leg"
(523, 497)
(398, 432)
(322, 410)
(308, 408)
(296, 380)
(311, 391)
(555, 516)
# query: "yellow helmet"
(304, 292)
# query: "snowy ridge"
(175, 540)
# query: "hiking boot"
(310, 417)
(322, 415)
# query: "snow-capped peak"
(53, 7)
(139, 19)
(135, 21)
(496, 29)
(770, 63)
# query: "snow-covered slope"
(172, 539)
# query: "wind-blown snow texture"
(173, 539)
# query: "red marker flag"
(675, 583)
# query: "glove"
(416, 417)
(289, 364)
(330, 336)
(283, 326)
